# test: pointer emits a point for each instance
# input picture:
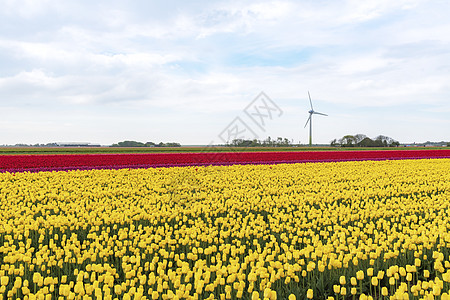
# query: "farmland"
(124, 150)
(338, 230)
(19, 163)
(120, 150)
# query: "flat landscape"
(226, 150)
(94, 150)
(352, 227)
(98, 150)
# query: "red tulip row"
(18, 163)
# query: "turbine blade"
(308, 120)
(310, 102)
(318, 113)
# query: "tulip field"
(354, 225)
(33, 163)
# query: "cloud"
(206, 60)
(26, 8)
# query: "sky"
(204, 72)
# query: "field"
(325, 230)
(55, 162)
(122, 150)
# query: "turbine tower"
(311, 112)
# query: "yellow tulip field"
(338, 230)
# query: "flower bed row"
(353, 230)
(19, 163)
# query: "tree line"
(268, 142)
(147, 144)
(361, 140)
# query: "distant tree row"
(148, 144)
(37, 145)
(269, 142)
(361, 140)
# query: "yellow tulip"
(336, 289)
(392, 281)
(155, 295)
(360, 275)
(436, 290)
(4, 280)
(25, 290)
(255, 295)
(380, 275)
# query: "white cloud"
(365, 64)
(195, 65)
(362, 11)
(26, 8)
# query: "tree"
(147, 144)
(268, 142)
(361, 140)
(129, 144)
(394, 144)
(360, 137)
(387, 141)
(171, 144)
(279, 142)
(348, 141)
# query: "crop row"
(289, 231)
(18, 163)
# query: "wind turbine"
(311, 112)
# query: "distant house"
(426, 145)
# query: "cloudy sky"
(191, 71)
